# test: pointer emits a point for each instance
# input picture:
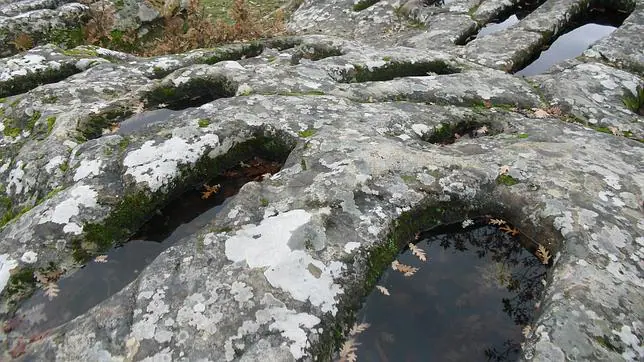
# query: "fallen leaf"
(509, 230)
(504, 169)
(418, 252)
(101, 259)
(405, 269)
(540, 113)
(543, 254)
(526, 331)
(358, 328)
(417, 236)
(348, 351)
(482, 130)
(496, 222)
(41, 278)
(382, 290)
(614, 130)
(487, 103)
(51, 290)
(210, 190)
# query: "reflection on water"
(567, 46)
(468, 302)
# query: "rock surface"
(358, 108)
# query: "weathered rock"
(362, 113)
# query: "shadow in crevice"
(392, 69)
(191, 93)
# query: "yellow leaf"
(543, 254)
(418, 252)
(382, 290)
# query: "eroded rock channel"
(384, 119)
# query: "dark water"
(468, 302)
(144, 119)
(568, 46)
(97, 281)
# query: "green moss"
(10, 131)
(263, 201)
(408, 178)
(298, 94)
(93, 127)
(506, 180)
(303, 164)
(203, 122)
(363, 4)
(236, 52)
(32, 121)
(20, 285)
(51, 121)
(605, 342)
(386, 59)
(523, 135)
(64, 166)
(67, 38)
(634, 101)
(306, 133)
(124, 143)
(183, 96)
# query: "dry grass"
(181, 30)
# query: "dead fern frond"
(51, 290)
(348, 351)
(383, 290)
(101, 259)
(22, 42)
(407, 270)
(358, 328)
(510, 230)
(543, 254)
(497, 222)
(418, 252)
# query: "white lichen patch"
(157, 164)
(14, 181)
(79, 196)
(636, 350)
(197, 312)
(145, 327)
(6, 265)
(267, 245)
(54, 163)
(29, 257)
(291, 325)
(88, 168)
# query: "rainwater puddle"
(130, 125)
(567, 46)
(469, 301)
(583, 33)
(97, 281)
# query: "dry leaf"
(383, 290)
(543, 254)
(509, 230)
(348, 351)
(51, 290)
(482, 130)
(526, 331)
(41, 278)
(101, 259)
(139, 108)
(487, 103)
(540, 113)
(405, 269)
(18, 349)
(614, 130)
(417, 236)
(358, 328)
(418, 252)
(210, 190)
(504, 169)
(497, 222)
